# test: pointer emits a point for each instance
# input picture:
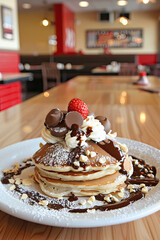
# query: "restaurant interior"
(104, 52)
(88, 38)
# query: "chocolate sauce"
(4, 180)
(100, 197)
(140, 175)
(142, 171)
(74, 155)
(88, 132)
(8, 175)
(147, 181)
(35, 197)
(55, 206)
(111, 206)
(122, 170)
(72, 198)
(112, 150)
(76, 132)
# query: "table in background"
(67, 72)
(15, 77)
(103, 71)
(133, 114)
(11, 88)
(70, 72)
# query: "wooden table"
(123, 104)
(67, 71)
(14, 77)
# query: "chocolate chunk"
(105, 122)
(73, 118)
(53, 118)
(60, 130)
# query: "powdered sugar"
(56, 155)
(12, 205)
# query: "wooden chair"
(51, 75)
(128, 69)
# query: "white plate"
(12, 205)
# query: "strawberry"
(78, 105)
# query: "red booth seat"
(10, 95)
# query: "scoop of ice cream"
(93, 129)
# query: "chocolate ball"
(53, 118)
(73, 118)
(60, 130)
(105, 122)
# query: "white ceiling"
(94, 5)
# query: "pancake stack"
(81, 156)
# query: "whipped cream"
(98, 133)
(47, 136)
(73, 142)
(111, 135)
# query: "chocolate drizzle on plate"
(8, 175)
(35, 197)
(111, 206)
(72, 198)
(141, 173)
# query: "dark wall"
(88, 60)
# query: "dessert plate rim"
(15, 207)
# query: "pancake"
(57, 187)
(58, 158)
(77, 176)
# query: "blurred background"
(94, 37)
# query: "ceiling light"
(83, 4)
(123, 20)
(122, 2)
(26, 5)
(45, 22)
(147, 1)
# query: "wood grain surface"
(133, 114)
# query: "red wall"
(65, 31)
(147, 59)
(9, 62)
